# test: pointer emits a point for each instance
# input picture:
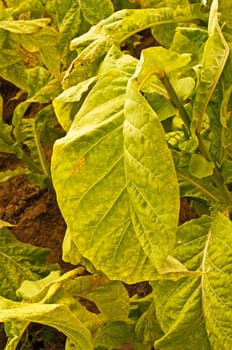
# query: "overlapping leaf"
(121, 226)
(26, 27)
(116, 29)
(197, 312)
(21, 261)
(70, 23)
(216, 51)
(54, 315)
(110, 298)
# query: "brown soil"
(38, 221)
(35, 214)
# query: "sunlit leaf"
(197, 311)
(67, 104)
(216, 51)
(53, 315)
(96, 166)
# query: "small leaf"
(93, 16)
(147, 328)
(68, 103)
(192, 186)
(42, 87)
(87, 63)
(21, 261)
(31, 289)
(200, 167)
(9, 174)
(53, 315)
(15, 73)
(26, 27)
(158, 60)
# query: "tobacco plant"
(143, 130)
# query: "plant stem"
(218, 178)
(175, 100)
(31, 165)
(41, 155)
(26, 160)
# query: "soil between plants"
(38, 221)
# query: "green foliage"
(21, 261)
(140, 133)
(198, 307)
(34, 55)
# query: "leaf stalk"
(26, 160)
(217, 176)
(176, 101)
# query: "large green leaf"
(150, 176)
(197, 312)
(122, 227)
(122, 24)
